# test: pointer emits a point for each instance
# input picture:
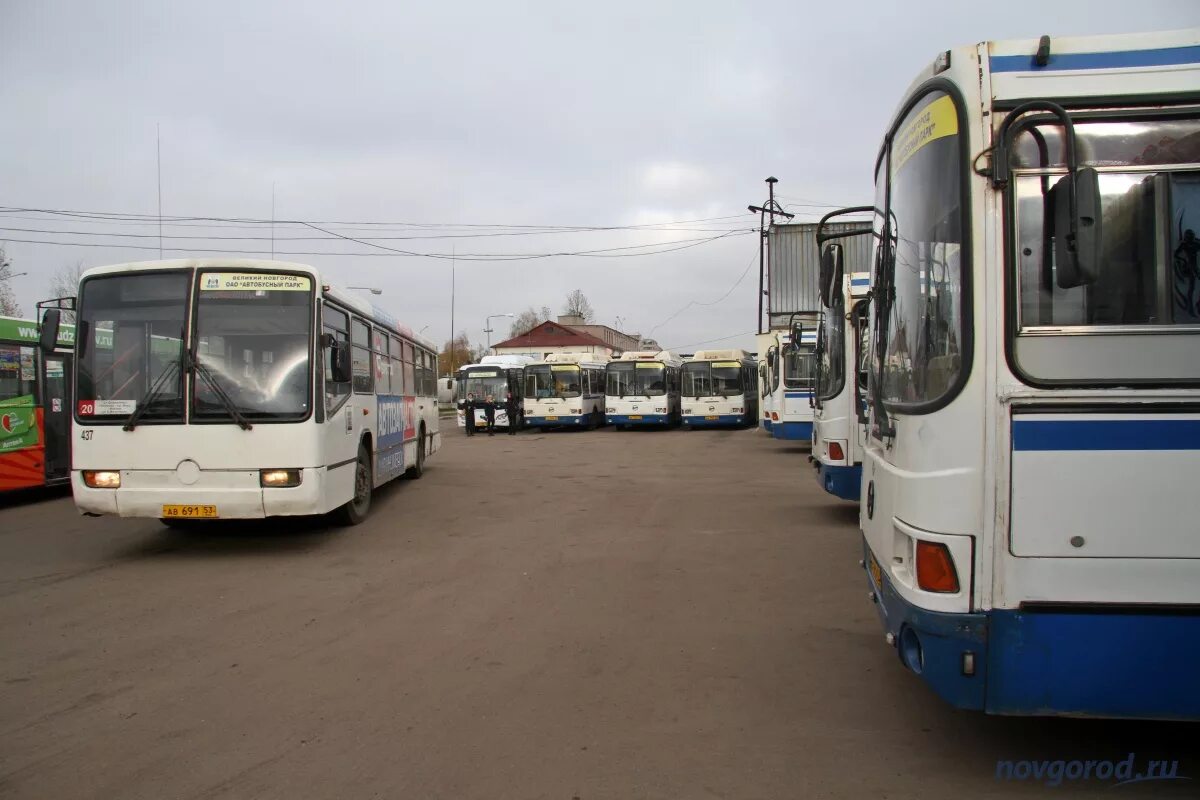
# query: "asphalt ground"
(675, 614)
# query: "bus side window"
(360, 357)
(410, 387)
(396, 352)
(336, 323)
(383, 367)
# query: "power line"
(153, 219)
(609, 252)
(736, 283)
(709, 341)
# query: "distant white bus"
(495, 376)
(238, 388)
(643, 389)
(791, 375)
(565, 390)
(839, 409)
(768, 347)
(720, 387)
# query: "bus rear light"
(835, 451)
(774, 416)
(935, 568)
(102, 478)
(279, 478)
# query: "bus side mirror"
(339, 362)
(832, 266)
(1077, 241)
(48, 336)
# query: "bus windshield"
(709, 379)
(552, 380)
(646, 379)
(798, 369)
(482, 382)
(130, 339)
(253, 335)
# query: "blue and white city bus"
(792, 382)
(1028, 514)
(768, 351)
(565, 390)
(236, 388)
(838, 411)
(643, 389)
(720, 387)
(495, 376)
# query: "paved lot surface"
(575, 615)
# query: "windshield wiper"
(151, 396)
(219, 391)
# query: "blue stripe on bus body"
(795, 395)
(1163, 57)
(860, 281)
(1114, 434)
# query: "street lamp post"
(487, 327)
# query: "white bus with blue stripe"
(643, 389)
(565, 390)
(838, 410)
(1029, 511)
(768, 347)
(720, 389)
(792, 383)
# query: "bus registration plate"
(552, 419)
(190, 512)
(876, 572)
(635, 416)
(712, 418)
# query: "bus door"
(56, 417)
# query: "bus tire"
(355, 511)
(417, 470)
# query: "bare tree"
(527, 320)
(65, 283)
(578, 305)
(9, 306)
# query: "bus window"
(396, 356)
(336, 323)
(360, 358)
(17, 376)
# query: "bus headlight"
(610, 411)
(102, 478)
(279, 478)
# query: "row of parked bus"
(1012, 393)
(639, 389)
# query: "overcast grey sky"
(471, 113)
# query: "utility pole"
(453, 345)
(772, 208)
(158, 151)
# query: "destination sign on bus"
(655, 365)
(253, 282)
(733, 364)
(491, 374)
(563, 368)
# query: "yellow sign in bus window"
(936, 121)
(652, 365)
(733, 364)
(563, 368)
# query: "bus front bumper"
(561, 421)
(839, 480)
(792, 431)
(637, 419)
(1085, 662)
(713, 420)
(236, 494)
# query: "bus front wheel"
(357, 509)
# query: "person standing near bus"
(469, 413)
(513, 409)
(489, 413)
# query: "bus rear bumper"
(1086, 662)
(766, 425)
(236, 494)
(793, 431)
(840, 481)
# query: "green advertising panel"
(18, 424)
(26, 330)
